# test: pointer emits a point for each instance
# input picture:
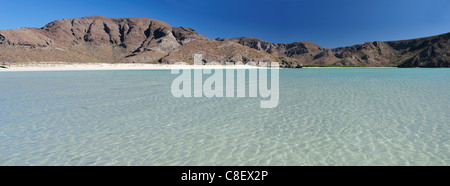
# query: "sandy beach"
(108, 66)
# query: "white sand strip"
(107, 66)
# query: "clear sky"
(329, 23)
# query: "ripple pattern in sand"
(325, 117)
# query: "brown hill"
(140, 40)
(132, 40)
(93, 39)
(423, 52)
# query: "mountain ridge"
(433, 51)
(143, 40)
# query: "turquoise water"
(348, 116)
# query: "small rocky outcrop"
(185, 35)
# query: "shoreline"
(348, 67)
(31, 67)
(37, 67)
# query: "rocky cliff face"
(424, 52)
(131, 40)
(102, 39)
(89, 39)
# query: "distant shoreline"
(30, 67)
(348, 67)
(27, 67)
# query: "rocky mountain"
(423, 52)
(130, 40)
(140, 40)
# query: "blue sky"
(329, 23)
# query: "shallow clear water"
(348, 116)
